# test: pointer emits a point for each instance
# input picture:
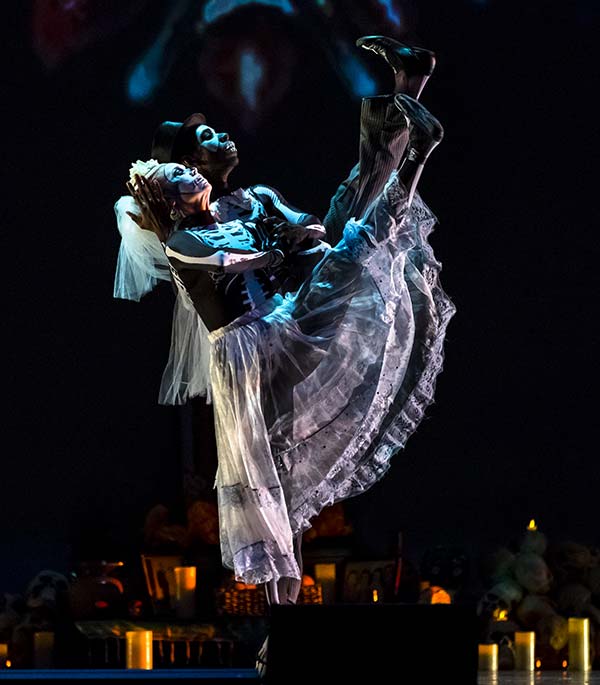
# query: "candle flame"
(8, 663)
(538, 663)
(532, 525)
(565, 663)
(375, 596)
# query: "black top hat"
(172, 139)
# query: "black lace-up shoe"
(412, 66)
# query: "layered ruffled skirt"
(314, 393)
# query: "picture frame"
(368, 581)
(160, 580)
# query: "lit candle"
(533, 540)
(138, 649)
(325, 576)
(43, 649)
(488, 657)
(185, 591)
(579, 644)
(525, 650)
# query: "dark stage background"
(513, 432)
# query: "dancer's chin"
(229, 165)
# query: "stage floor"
(249, 675)
(538, 678)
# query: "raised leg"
(383, 140)
(426, 133)
(379, 155)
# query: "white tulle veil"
(141, 265)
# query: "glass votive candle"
(488, 656)
(325, 576)
(185, 591)
(524, 650)
(138, 649)
(3, 654)
(579, 644)
(43, 649)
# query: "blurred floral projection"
(244, 50)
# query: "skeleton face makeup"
(214, 142)
(179, 182)
(215, 155)
(186, 180)
(183, 187)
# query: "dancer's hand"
(288, 236)
(155, 212)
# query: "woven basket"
(232, 601)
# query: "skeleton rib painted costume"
(244, 269)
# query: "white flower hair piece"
(141, 168)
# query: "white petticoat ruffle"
(315, 392)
